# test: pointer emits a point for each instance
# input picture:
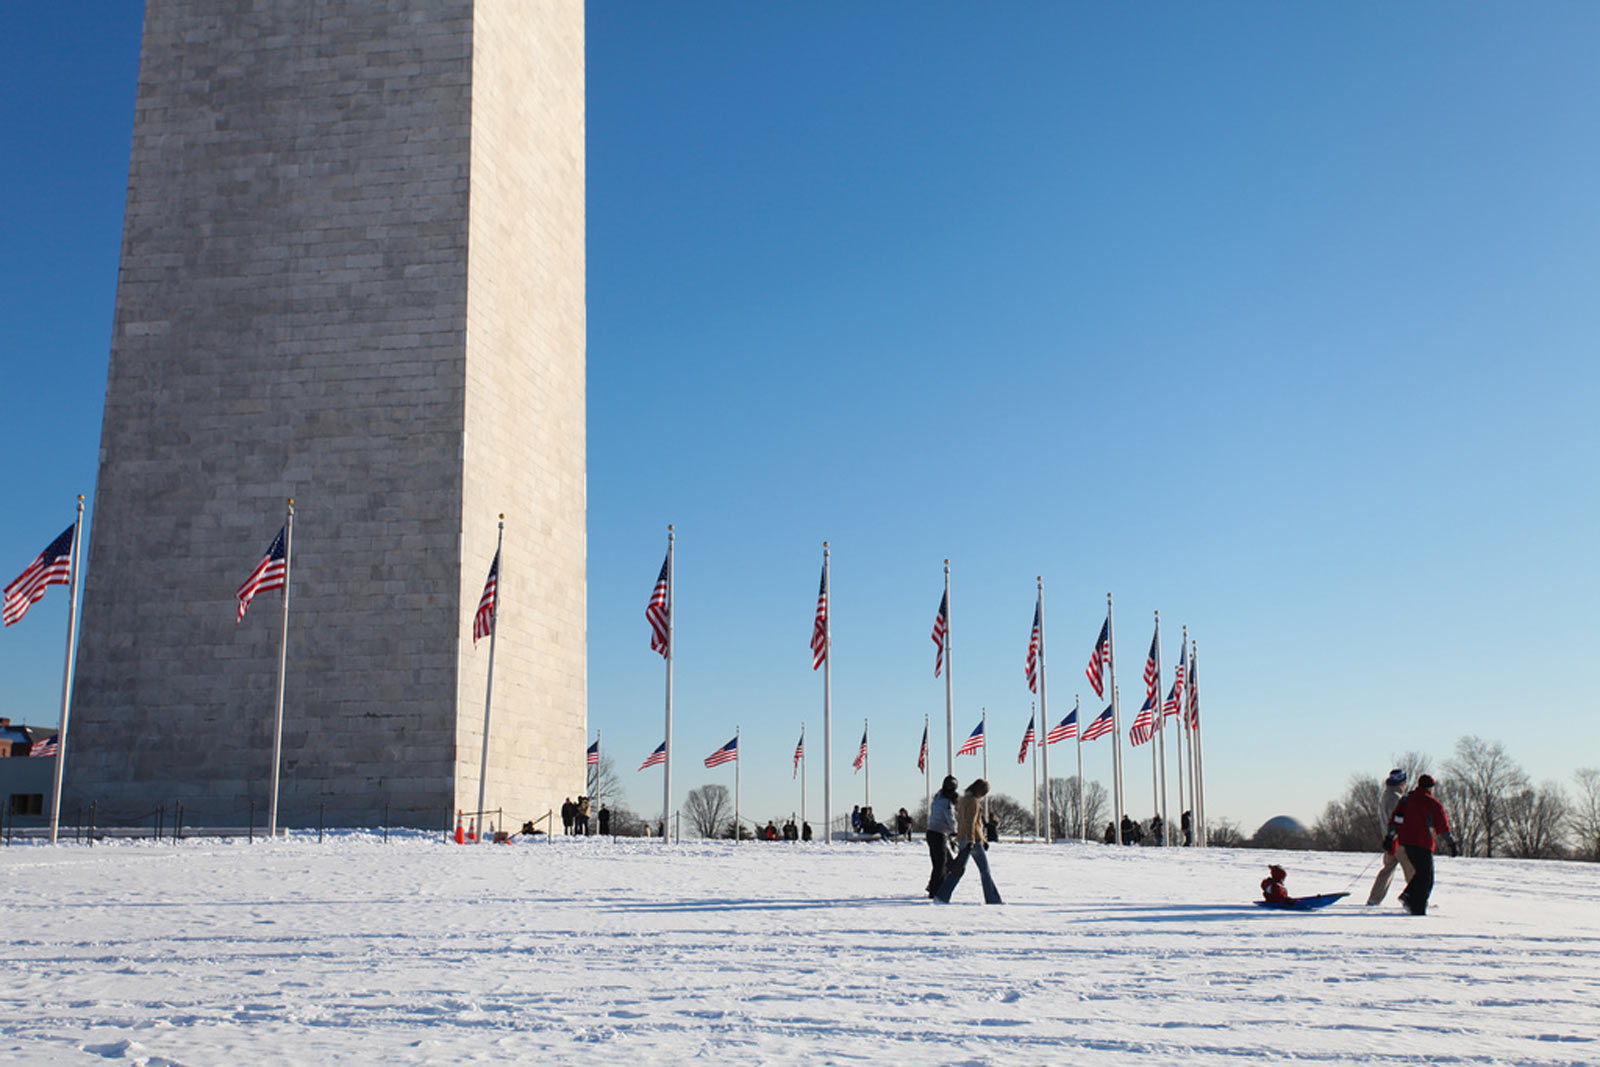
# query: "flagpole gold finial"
(80, 498)
(947, 563)
(824, 544)
(291, 502)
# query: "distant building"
(25, 781)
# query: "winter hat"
(1425, 782)
(949, 785)
(1396, 777)
(1277, 872)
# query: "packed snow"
(600, 951)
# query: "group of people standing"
(956, 835)
(1412, 823)
(575, 817)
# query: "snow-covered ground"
(590, 951)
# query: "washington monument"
(353, 274)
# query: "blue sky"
(1279, 320)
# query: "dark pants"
(1421, 884)
(939, 856)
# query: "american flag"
(1152, 670)
(861, 757)
(594, 754)
(1027, 742)
(819, 628)
(488, 603)
(658, 610)
(659, 756)
(1032, 668)
(269, 574)
(799, 754)
(46, 747)
(1170, 709)
(726, 754)
(1064, 729)
(52, 567)
(922, 756)
(1194, 693)
(1100, 727)
(1144, 726)
(1097, 662)
(974, 741)
(941, 628)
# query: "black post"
(252, 830)
(321, 810)
(386, 824)
(177, 819)
(91, 823)
(161, 819)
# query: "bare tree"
(1354, 822)
(1064, 807)
(707, 808)
(1414, 763)
(1477, 783)
(602, 782)
(1585, 816)
(1535, 822)
(1225, 834)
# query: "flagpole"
(1161, 739)
(827, 702)
(949, 686)
(1116, 722)
(927, 772)
(666, 764)
(488, 689)
(803, 755)
(983, 721)
(1044, 717)
(599, 753)
(866, 766)
(1034, 713)
(1199, 758)
(283, 662)
(738, 759)
(1077, 707)
(66, 672)
(1183, 739)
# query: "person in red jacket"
(1413, 826)
(1272, 888)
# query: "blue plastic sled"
(1321, 900)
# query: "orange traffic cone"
(472, 830)
(461, 835)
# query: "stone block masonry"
(352, 273)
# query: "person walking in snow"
(568, 810)
(969, 832)
(1394, 788)
(941, 830)
(1417, 820)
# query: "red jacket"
(1273, 892)
(1418, 817)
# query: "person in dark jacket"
(568, 811)
(1188, 828)
(941, 831)
(1417, 820)
(902, 824)
(605, 821)
(805, 831)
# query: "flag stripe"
(819, 626)
(269, 574)
(659, 610)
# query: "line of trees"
(1495, 809)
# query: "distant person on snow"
(969, 831)
(1416, 821)
(580, 817)
(902, 824)
(1272, 889)
(805, 831)
(1394, 789)
(1188, 828)
(855, 819)
(568, 810)
(941, 829)
(1111, 833)
(770, 831)
(605, 821)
